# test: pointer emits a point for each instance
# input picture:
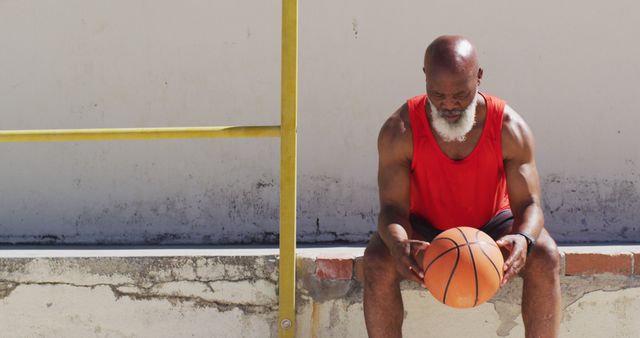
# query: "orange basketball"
(463, 267)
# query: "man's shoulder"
(396, 130)
(512, 121)
(398, 120)
(516, 134)
(403, 113)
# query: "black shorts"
(497, 227)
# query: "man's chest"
(460, 150)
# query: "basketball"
(462, 267)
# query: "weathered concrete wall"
(607, 308)
(233, 293)
(567, 67)
(196, 296)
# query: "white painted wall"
(568, 67)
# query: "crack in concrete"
(582, 294)
(197, 301)
(7, 287)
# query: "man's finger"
(512, 265)
(505, 243)
(506, 278)
(415, 268)
(510, 259)
(409, 269)
(418, 245)
(508, 275)
(415, 275)
(514, 271)
(409, 273)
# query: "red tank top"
(449, 193)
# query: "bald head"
(451, 54)
(452, 73)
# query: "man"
(458, 157)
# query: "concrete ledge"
(340, 262)
(577, 261)
(232, 292)
(600, 287)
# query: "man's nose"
(450, 105)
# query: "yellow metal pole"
(137, 133)
(288, 151)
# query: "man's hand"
(404, 253)
(517, 247)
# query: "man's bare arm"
(523, 185)
(394, 169)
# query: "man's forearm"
(393, 230)
(530, 220)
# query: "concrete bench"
(232, 292)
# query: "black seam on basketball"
(455, 265)
(446, 251)
(473, 262)
(490, 260)
(441, 254)
(486, 255)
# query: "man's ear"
(479, 75)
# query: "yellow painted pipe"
(288, 153)
(53, 135)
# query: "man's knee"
(378, 263)
(545, 257)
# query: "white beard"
(454, 131)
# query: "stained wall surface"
(569, 68)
